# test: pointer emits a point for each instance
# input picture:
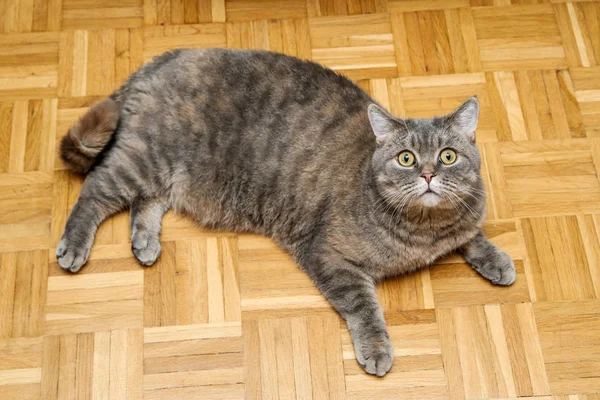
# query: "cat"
(255, 141)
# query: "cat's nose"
(428, 177)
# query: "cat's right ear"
(382, 123)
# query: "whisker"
(465, 204)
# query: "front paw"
(71, 256)
(375, 355)
(498, 269)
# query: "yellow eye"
(406, 158)
(448, 156)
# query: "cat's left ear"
(464, 119)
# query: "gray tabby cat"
(254, 141)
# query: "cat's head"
(427, 162)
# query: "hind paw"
(146, 247)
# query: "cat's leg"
(491, 262)
(146, 222)
(100, 198)
(352, 293)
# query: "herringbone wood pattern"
(225, 316)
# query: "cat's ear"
(382, 122)
(464, 119)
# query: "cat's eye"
(448, 156)
(406, 158)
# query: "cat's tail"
(89, 135)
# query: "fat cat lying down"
(254, 141)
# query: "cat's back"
(250, 80)
(244, 107)
(251, 95)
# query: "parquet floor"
(224, 316)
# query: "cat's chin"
(430, 199)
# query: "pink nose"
(428, 177)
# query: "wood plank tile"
(360, 46)
(28, 65)
(329, 8)
(558, 259)
(160, 39)
(193, 282)
(578, 23)
(21, 368)
(538, 105)
(315, 369)
(571, 352)
(587, 92)
(244, 10)
(439, 42)
(23, 279)
(92, 311)
(191, 360)
(77, 14)
(505, 336)
(289, 36)
(272, 285)
(533, 191)
(100, 364)
(521, 36)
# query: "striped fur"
(261, 142)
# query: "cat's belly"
(204, 205)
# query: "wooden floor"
(224, 316)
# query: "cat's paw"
(375, 356)
(146, 247)
(498, 269)
(71, 257)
